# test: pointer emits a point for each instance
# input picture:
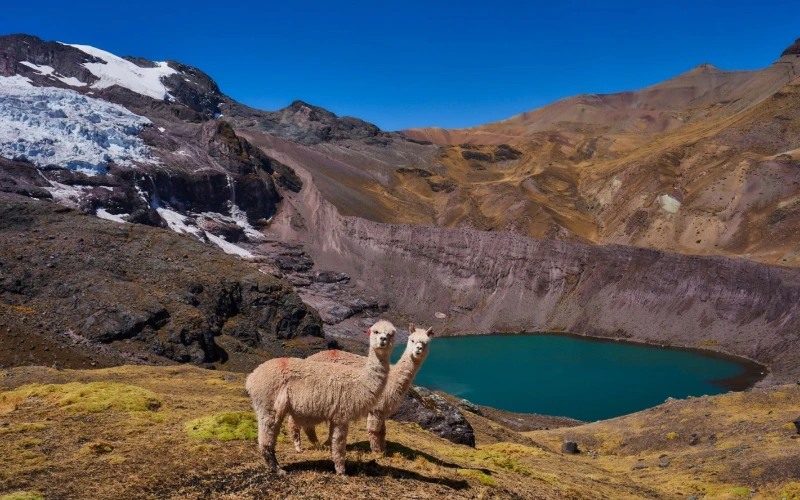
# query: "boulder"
(434, 413)
(570, 447)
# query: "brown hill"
(705, 163)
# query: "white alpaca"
(312, 393)
(401, 375)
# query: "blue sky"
(414, 63)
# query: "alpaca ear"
(411, 328)
(429, 332)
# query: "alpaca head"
(381, 336)
(418, 339)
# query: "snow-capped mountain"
(130, 140)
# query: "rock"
(639, 466)
(470, 407)
(797, 424)
(694, 440)
(307, 124)
(433, 413)
(476, 155)
(505, 152)
(331, 277)
(570, 447)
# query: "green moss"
(504, 456)
(94, 397)
(741, 491)
(22, 428)
(22, 495)
(480, 476)
(790, 491)
(224, 427)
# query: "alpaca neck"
(375, 373)
(401, 377)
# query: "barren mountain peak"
(793, 49)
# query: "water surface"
(582, 378)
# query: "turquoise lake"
(563, 375)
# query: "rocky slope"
(78, 291)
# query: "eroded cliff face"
(502, 282)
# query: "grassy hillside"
(184, 432)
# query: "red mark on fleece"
(367, 331)
(333, 354)
(283, 363)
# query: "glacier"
(61, 127)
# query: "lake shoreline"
(660, 372)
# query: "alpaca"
(312, 392)
(400, 377)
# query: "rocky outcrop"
(302, 122)
(146, 294)
(22, 177)
(434, 413)
(65, 60)
(195, 89)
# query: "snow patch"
(162, 129)
(237, 217)
(66, 195)
(104, 214)
(118, 71)
(44, 70)
(15, 83)
(72, 81)
(228, 247)
(669, 204)
(179, 223)
(47, 70)
(184, 224)
(61, 127)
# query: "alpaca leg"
(269, 424)
(376, 429)
(327, 442)
(339, 446)
(311, 434)
(294, 431)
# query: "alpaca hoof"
(279, 472)
(298, 449)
